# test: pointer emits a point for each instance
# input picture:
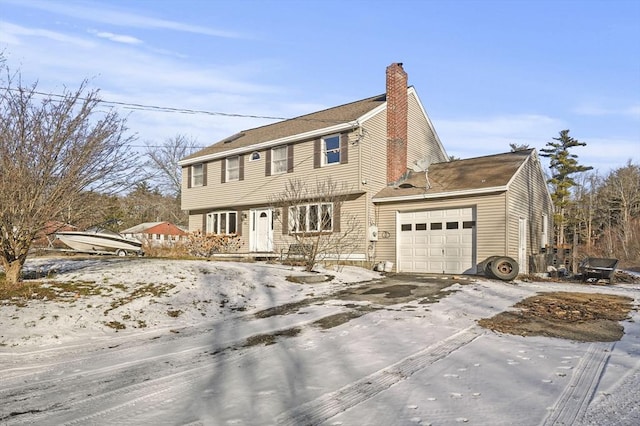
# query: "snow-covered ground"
(193, 352)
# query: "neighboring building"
(46, 239)
(371, 145)
(156, 233)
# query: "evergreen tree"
(563, 165)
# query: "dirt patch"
(286, 309)
(271, 338)
(585, 317)
(343, 317)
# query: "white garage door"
(437, 241)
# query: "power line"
(158, 108)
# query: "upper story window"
(255, 156)
(279, 160)
(197, 175)
(313, 217)
(224, 222)
(331, 150)
(233, 168)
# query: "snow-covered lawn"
(146, 341)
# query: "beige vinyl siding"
(490, 223)
(256, 188)
(373, 153)
(351, 208)
(422, 141)
(528, 199)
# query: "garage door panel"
(437, 241)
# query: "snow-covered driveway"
(218, 363)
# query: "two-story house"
(381, 147)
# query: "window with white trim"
(197, 175)
(279, 160)
(312, 217)
(544, 238)
(330, 150)
(222, 222)
(233, 168)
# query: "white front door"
(261, 238)
(522, 245)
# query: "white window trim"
(197, 179)
(229, 169)
(323, 147)
(211, 223)
(274, 170)
(544, 237)
(294, 222)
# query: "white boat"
(96, 240)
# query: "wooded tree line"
(603, 216)
(597, 215)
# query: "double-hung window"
(331, 150)
(313, 217)
(279, 160)
(197, 175)
(222, 222)
(233, 168)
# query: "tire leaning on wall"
(501, 267)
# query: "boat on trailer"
(100, 241)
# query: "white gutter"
(293, 138)
(440, 195)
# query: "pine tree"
(563, 165)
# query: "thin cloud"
(119, 38)
(632, 111)
(96, 13)
(12, 34)
(468, 138)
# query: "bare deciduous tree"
(163, 162)
(315, 221)
(620, 195)
(53, 149)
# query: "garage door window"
(469, 224)
(436, 226)
(406, 227)
(452, 225)
(421, 226)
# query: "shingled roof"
(473, 174)
(295, 126)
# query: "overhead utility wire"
(156, 108)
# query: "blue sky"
(489, 73)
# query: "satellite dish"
(421, 165)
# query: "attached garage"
(437, 241)
(452, 217)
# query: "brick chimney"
(397, 117)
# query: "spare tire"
(504, 268)
(485, 266)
